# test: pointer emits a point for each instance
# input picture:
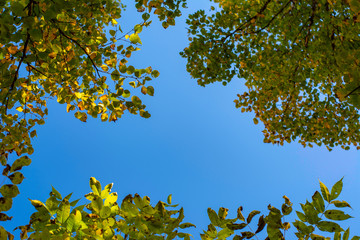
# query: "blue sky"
(196, 146)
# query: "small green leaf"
(236, 226)
(150, 90)
(340, 204)
(169, 199)
(222, 213)
(155, 73)
(105, 212)
(336, 189)
(186, 225)
(145, 16)
(16, 177)
(5, 204)
(346, 234)
(95, 186)
(9, 191)
(55, 193)
(134, 38)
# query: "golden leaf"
(12, 49)
(81, 105)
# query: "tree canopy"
(75, 52)
(299, 60)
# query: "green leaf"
(337, 236)
(169, 199)
(340, 204)
(105, 193)
(105, 212)
(214, 219)
(136, 100)
(55, 193)
(20, 163)
(96, 204)
(9, 191)
(16, 178)
(150, 90)
(236, 226)
(336, 189)
(224, 233)
(318, 202)
(74, 221)
(336, 215)
(186, 225)
(115, 75)
(134, 38)
(222, 213)
(155, 73)
(317, 237)
(327, 226)
(63, 212)
(303, 228)
(52, 203)
(145, 16)
(5, 204)
(346, 234)
(95, 186)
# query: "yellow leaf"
(105, 68)
(113, 21)
(12, 49)
(20, 109)
(81, 105)
(103, 98)
(68, 106)
(104, 117)
(52, 55)
(93, 55)
(113, 117)
(79, 95)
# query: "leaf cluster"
(136, 218)
(76, 53)
(299, 60)
(104, 218)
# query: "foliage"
(74, 52)
(103, 218)
(299, 59)
(136, 218)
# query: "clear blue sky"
(196, 146)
